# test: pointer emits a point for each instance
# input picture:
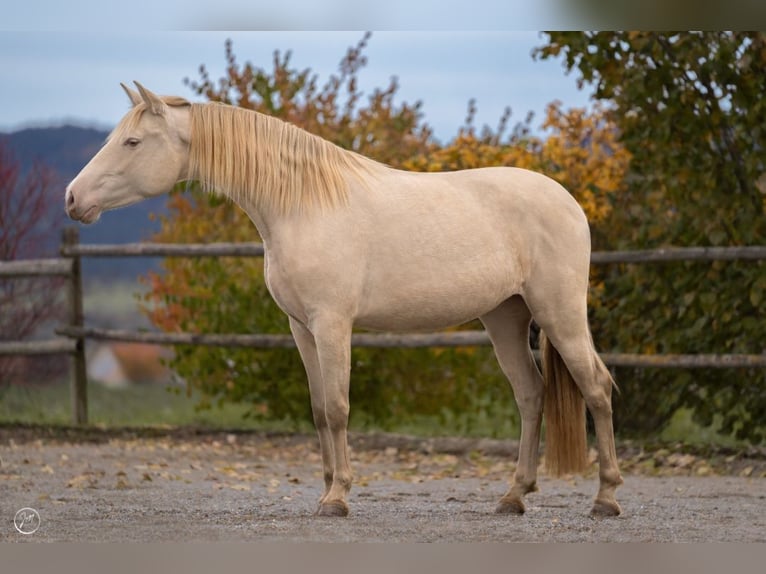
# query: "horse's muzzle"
(90, 215)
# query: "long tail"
(566, 447)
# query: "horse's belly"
(410, 319)
(429, 304)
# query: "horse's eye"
(132, 142)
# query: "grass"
(155, 405)
(158, 406)
(682, 428)
(141, 405)
(477, 421)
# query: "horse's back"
(518, 193)
(500, 208)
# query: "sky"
(56, 76)
(63, 60)
(293, 14)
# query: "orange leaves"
(584, 154)
(374, 125)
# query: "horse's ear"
(135, 97)
(152, 100)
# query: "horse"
(350, 242)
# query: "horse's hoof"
(512, 506)
(333, 508)
(605, 509)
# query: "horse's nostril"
(69, 199)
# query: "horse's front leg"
(333, 343)
(332, 339)
(308, 351)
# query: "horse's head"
(145, 155)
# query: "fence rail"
(72, 337)
(407, 341)
(669, 254)
(253, 249)
(42, 347)
(165, 250)
(36, 267)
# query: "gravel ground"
(153, 486)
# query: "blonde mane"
(250, 156)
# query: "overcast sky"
(63, 60)
(60, 75)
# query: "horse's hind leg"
(595, 383)
(508, 328)
(566, 326)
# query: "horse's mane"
(250, 156)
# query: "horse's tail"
(566, 447)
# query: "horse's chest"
(282, 290)
(303, 287)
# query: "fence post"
(79, 377)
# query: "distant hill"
(66, 150)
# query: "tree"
(690, 112)
(379, 129)
(26, 219)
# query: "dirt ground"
(169, 485)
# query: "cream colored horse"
(351, 242)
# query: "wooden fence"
(68, 267)
(72, 336)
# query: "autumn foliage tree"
(26, 219)
(689, 109)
